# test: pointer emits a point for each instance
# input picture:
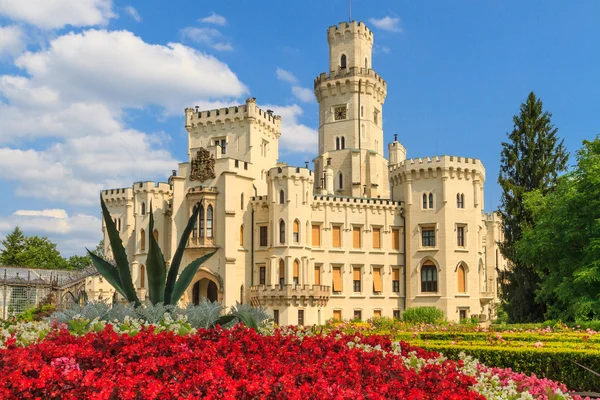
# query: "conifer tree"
(12, 248)
(531, 159)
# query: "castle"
(360, 236)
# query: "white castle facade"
(360, 236)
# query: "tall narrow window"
(366, 63)
(281, 232)
(241, 235)
(281, 272)
(242, 201)
(356, 242)
(201, 219)
(336, 234)
(343, 142)
(356, 280)
(317, 275)
(430, 200)
(264, 237)
(276, 317)
(395, 239)
(195, 229)
(460, 236)
(428, 237)
(296, 232)
(262, 277)
(341, 180)
(337, 279)
(316, 235)
(281, 197)
(460, 200)
(424, 200)
(343, 61)
(461, 279)
(396, 280)
(377, 238)
(296, 273)
(209, 222)
(223, 146)
(142, 277)
(362, 111)
(428, 278)
(337, 143)
(377, 283)
(143, 240)
(301, 317)
(143, 208)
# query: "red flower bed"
(220, 364)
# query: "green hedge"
(555, 364)
(518, 337)
(426, 315)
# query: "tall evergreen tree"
(13, 247)
(531, 159)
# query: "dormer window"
(343, 61)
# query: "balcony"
(486, 297)
(297, 295)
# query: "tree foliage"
(565, 240)
(531, 159)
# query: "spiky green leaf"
(156, 266)
(186, 277)
(108, 271)
(174, 268)
(224, 319)
(120, 256)
(246, 318)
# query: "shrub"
(426, 315)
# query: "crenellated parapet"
(347, 80)
(345, 31)
(437, 167)
(290, 172)
(117, 195)
(152, 188)
(356, 202)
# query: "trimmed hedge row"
(521, 337)
(555, 364)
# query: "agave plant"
(162, 287)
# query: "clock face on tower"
(339, 113)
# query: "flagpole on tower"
(349, 10)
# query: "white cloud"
(133, 13)
(215, 18)
(381, 49)
(295, 137)
(387, 23)
(120, 69)
(54, 14)
(71, 233)
(285, 76)
(303, 94)
(207, 36)
(12, 41)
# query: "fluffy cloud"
(214, 18)
(303, 94)
(11, 41)
(120, 69)
(54, 14)
(285, 76)
(295, 137)
(387, 23)
(206, 36)
(132, 12)
(72, 233)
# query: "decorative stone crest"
(203, 166)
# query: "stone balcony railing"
(486, 297)
(312, 295)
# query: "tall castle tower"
(351, 97)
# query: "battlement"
(443, 162)
(492, 217)
(348, 73)
(290, 172)
(117, 194)
(152, 187)
(362, 201)
(342, 30)
(195, 117)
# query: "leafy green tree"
(13, 247)
(79, 262)
(565, 239)
(40, 252)
(531, 159)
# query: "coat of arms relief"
(202, 166)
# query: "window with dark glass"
(262, 277)
(460, 200)
(300, 317)
(424, 201)
(428, 278)
(358, 315)
(356, 280)
(343, 142)
(337, 143)
(201, 219)
(343, 61)
(281, 232)
(460, 236)
(143, 208)
(428, 237)
(281, 273)
(263, 236)
(209, 222)
(430, 200)
(396, 314)
(281, 197)
(396, 280)
(276, 317)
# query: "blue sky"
(92, 91)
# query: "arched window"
(462, 279)
(362, 111)
(296, 276)
(343, 142)
(281, 272)
(142, 277)
(366, 65)
(296, 234)
(341, 180)
(143, 208)
(209, 222)
(337, 143)
(430, 200)
(343, 61)
(242, 201)
(143, 240)
(155, 233)
(424, 200)
(281, 197)
(281, 232)
(428, 277)
(241, 235)
(201, 218)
